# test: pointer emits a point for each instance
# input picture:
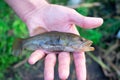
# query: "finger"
(50, 61)
(80, 66)
(85, 22)
(64, 65)
(73, 30)
(35, 56)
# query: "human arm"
(41, 16)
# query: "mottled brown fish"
(53, 42)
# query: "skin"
(63, 19)
(40, 17)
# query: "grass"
(10, 28)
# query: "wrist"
(24, 7)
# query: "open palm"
(63, 19)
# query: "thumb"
(85, 22)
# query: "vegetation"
(11, 27)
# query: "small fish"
(53, 42)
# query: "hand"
(59, 18)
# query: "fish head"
(83, 45)
(86, 46)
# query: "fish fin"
(17, 47)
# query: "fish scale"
(53, 42)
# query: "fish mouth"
(87, 43)
(88, 49)
(86, 46)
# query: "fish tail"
(17, 47)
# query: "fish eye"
(82, 39)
